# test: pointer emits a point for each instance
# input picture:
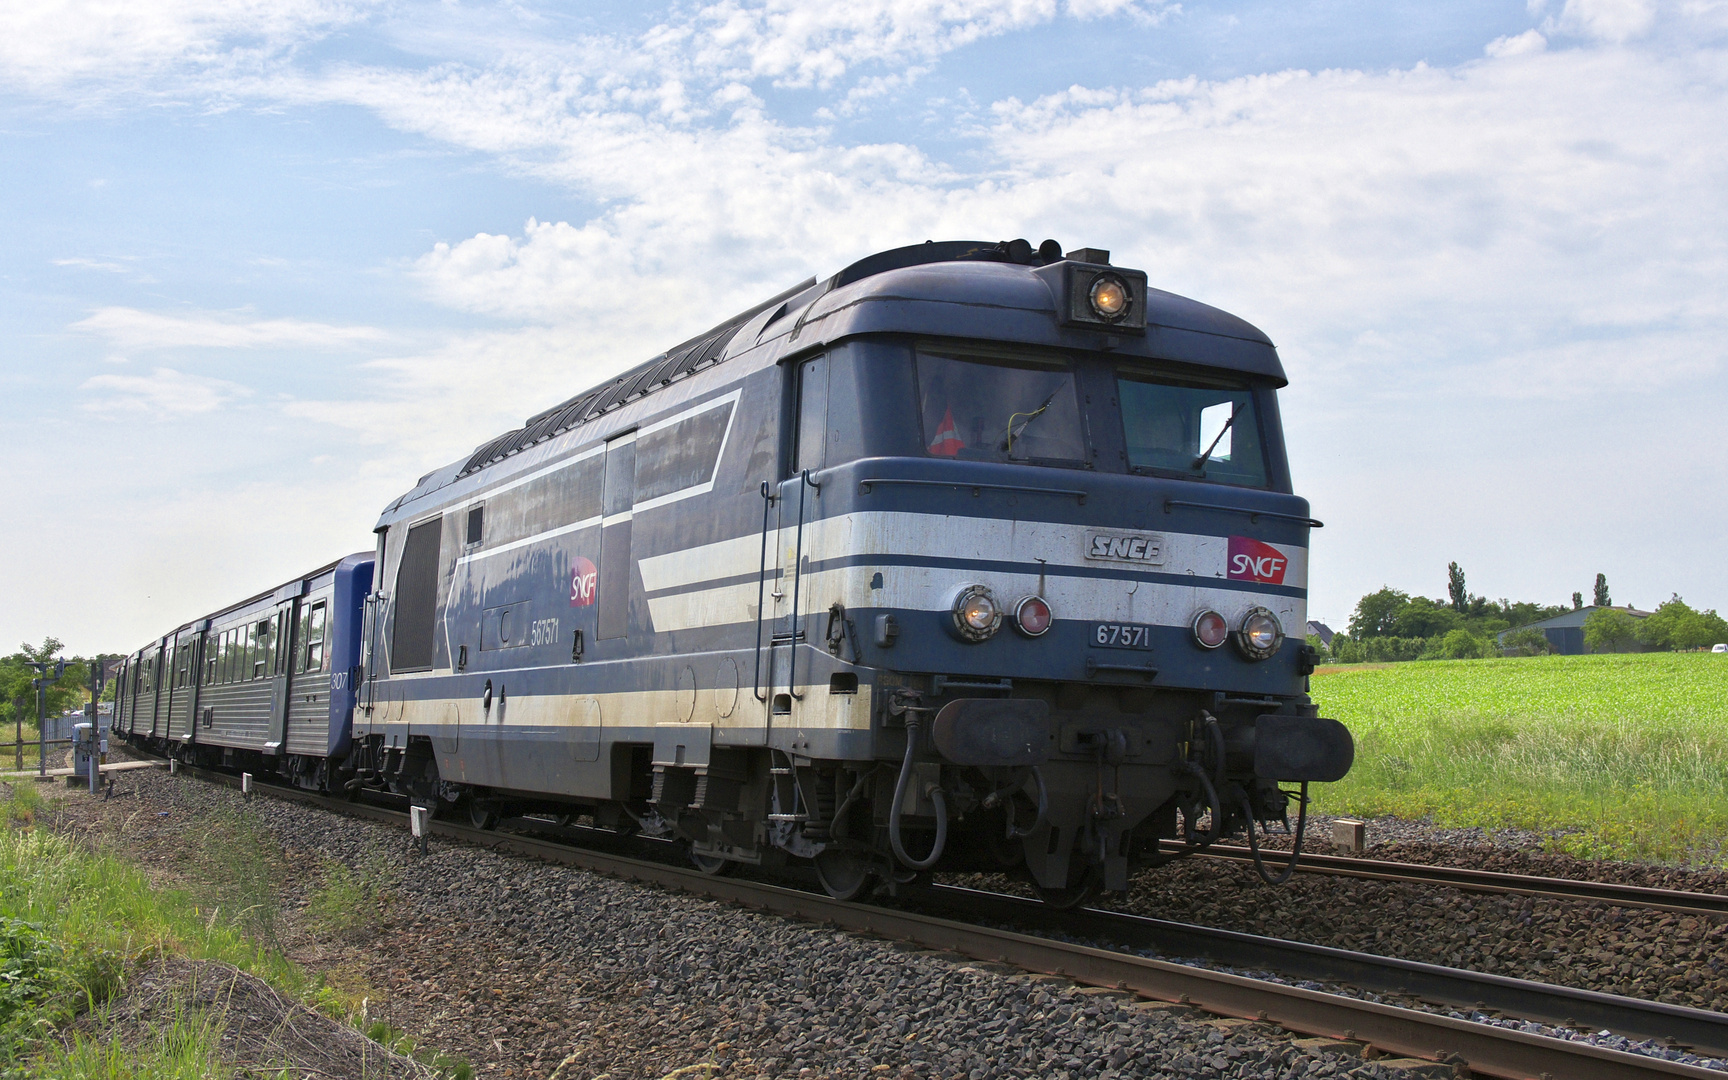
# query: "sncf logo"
(583, 577)
(1142, 547)
(1250, 560)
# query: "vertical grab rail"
(761, 591)
(797, 582)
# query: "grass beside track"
(72, 921)
(1622, 756)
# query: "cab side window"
(830, 419)
(812, 414)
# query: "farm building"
(1566, 632)
(1321, 631)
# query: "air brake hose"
(936, 797)
(1295, 850)
(1213, 803)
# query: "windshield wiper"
(1008, 446)
(1200, 462)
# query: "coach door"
(616, 567)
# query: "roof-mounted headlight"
(1260, 634)
(976, 615)
(1110, 297)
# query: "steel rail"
(1492, 881)
(1485, 1049)
(1703, 1031)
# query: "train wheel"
(1083, 884)
(712, 865)
(482, 815)
(843, 875)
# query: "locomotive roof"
(958, 288)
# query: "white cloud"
(1606, 20)
(800, 44)
(1527, 198)
(164, 393)
(133, 329)
(92, 264)
(49, 43)
(1530, 41)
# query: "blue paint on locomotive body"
(882, 319)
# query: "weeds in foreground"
(23, 803)
(239, 867)
(346, 904)
(182, 1050)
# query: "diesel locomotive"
(973, 556)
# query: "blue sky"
(268, 262)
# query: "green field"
(1619, 755)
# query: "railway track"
(1490, 881)
(1396, 1031)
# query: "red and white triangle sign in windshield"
(947, 443)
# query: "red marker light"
(1210, 629)
(1032, 616)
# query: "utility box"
(89, 750)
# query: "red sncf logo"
(1250, 560)
(582, 579)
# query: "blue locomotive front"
(973, 556)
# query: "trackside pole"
(420, 824)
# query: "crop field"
(1614, 756)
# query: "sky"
(267, 262)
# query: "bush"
(1377, 650)
(1461, 644)
(1526, 643)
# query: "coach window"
(265, 647)
(986, 408)
(476, 526)
(315, 638)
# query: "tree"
(1424, 618)
(1577, 601)
(1676, 625)
(1609, 630)
(1377, 613)
(16, 674)
(1455, 587)
(1602, 599)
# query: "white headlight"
(976, 614)
(1260, 634)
